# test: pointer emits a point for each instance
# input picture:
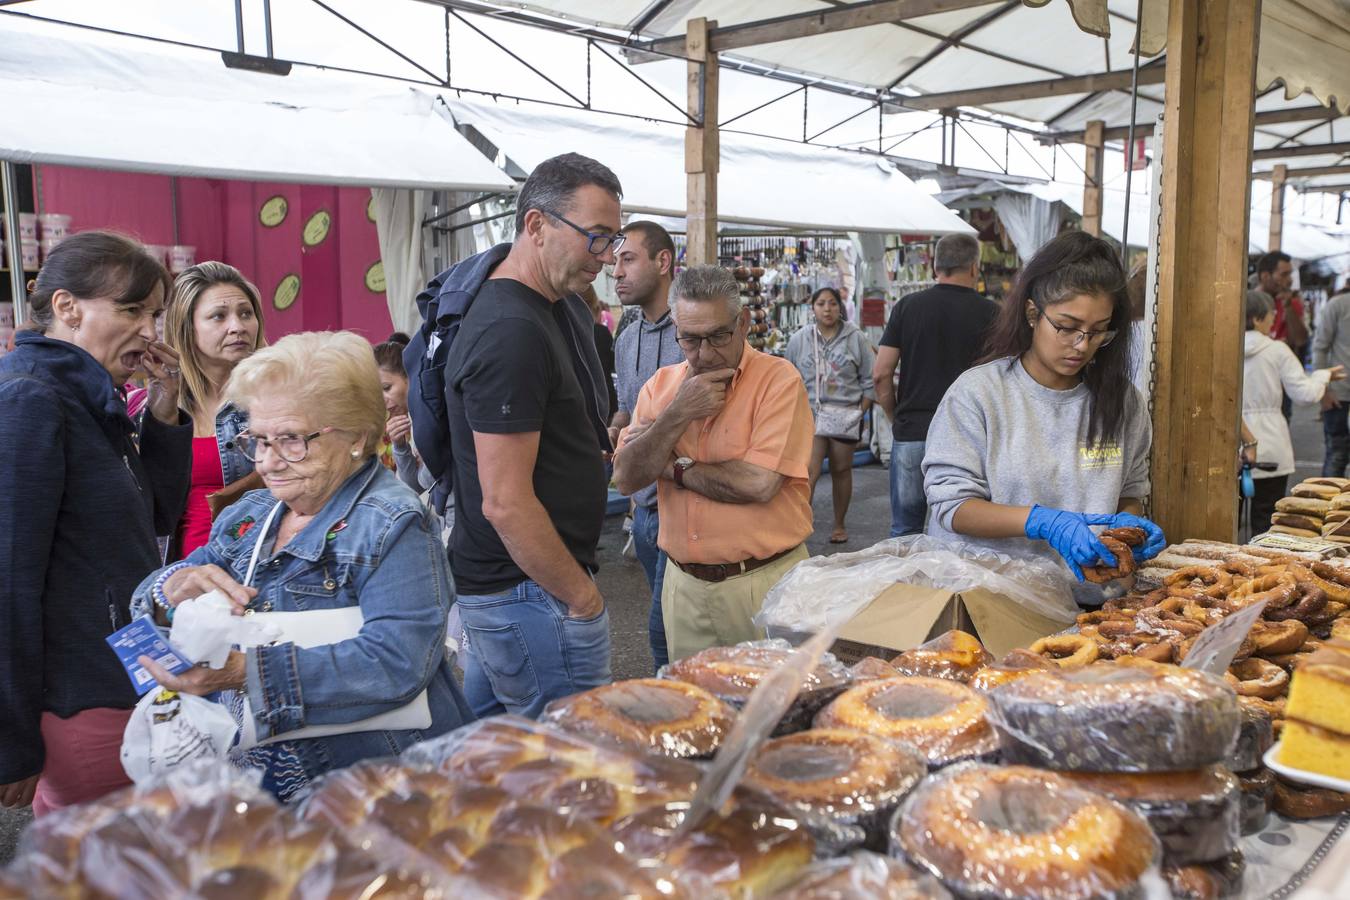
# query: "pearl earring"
(356, 454)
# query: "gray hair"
(956, 253)
(703, 283)
(551, 185)
(1259, 305)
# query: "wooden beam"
(1277, 180)
(701, 145)
(1034, 90)
(1144, 129)
(1309, 172)
(1206, 159)
(1303, 150)
(809, 24)
(1093, 159)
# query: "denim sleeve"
(141, 601)
(166, 454)
(404, 600)
(30, 499)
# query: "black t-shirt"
(513, 369)
(940, 333)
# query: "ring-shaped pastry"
(1068, 651)
(1258, 678)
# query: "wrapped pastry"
(1258, 794)
(647, 715)
(863, 876)
(944, 720)
(1018, 832)
(1196, 815)
(1255, 737)
(845, 778)
(1207, 881)
(1015, 664)
(1111, 718)
(953, 655)
(870, 668)
(731, 673)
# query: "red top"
(207, 478)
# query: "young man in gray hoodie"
(643, 270)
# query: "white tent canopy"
(117, 103)
(762, 181)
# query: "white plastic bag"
(205, 629)
(168, 728)
(830, 590)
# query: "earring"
(356, 454)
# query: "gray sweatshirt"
(999, 435)
(1331, 341)
(639, 351)
(845, 361)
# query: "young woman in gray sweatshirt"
(1047, 440)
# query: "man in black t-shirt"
(937, 334)
(528, 410)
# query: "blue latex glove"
(1153, 544)
(1069, 533)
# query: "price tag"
(142, 638)
(1214, 649)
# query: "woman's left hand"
(161, 366)
(200, 680)
(1153, 544)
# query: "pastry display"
(731, 673)
(954, 655)
(1218, 880)
(844, 777)
(649, 715)
(1107, 718)
(863, 876)
(944, 720)
(1258, 793)
(1022, 832)
(1196, 815)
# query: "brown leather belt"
(723, 571)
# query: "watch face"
(684, 461)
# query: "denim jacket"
(233, 463)
(375, 546)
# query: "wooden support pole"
(1211, 58)
(701, 146)
(1277, 180)
(1093, 172)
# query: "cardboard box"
(904, 616)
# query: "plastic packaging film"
(647, 715)
(954, 655)
(828, 590)
(864, 876)
(1016, 832)
(1107, 718)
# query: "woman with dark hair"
(82, 496)
(1047, 439)
(396, 449)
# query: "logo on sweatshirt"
(1101, 456)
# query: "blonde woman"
(214, 321)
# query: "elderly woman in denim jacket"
(346, 533)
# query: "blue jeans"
(526, 651)
(646, 526)
(1336, 430)
(909, 506)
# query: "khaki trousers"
(701, 614)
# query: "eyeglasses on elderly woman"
(293, 448)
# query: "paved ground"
(624, 586)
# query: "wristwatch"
(682, 465)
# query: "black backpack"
(443, 305)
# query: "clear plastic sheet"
(953, 655)
(732, 673)
(844, 777)
(1196, 815)
(944, 720)
(864, 876)
(1110, 718)
(1018, 832)
(870, 668)
(647, 715)
(827, 590)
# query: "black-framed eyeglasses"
(1072, 337)
(291, 447)
(596, 244)
(717, 340)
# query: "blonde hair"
(180, 330)
(331, 375)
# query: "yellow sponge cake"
(1315, 749)
(1319, 693)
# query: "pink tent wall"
(318, 237)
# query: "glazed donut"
(1308, 600)
(1334, 580)
(1157, 620)
(1240, 568)
(1022, 832)
(1101, 574)
(953, 655)
(649, 715)
(1276, 588)
(1130, 603)
(1156, 651)
(1206, 612)
(944, 719)
(1068, 651)
(1214, 582)
(1277, 638)
(1098, 616)
(1127, 535)
(1116, 629)
(1274, 709)
(1258, 678)
(1330, 613)
(1308, 803)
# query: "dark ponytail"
(95, 264)
(1072, 264)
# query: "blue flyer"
(142, 638)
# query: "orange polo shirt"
(766, 422)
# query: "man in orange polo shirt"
(726, 437)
